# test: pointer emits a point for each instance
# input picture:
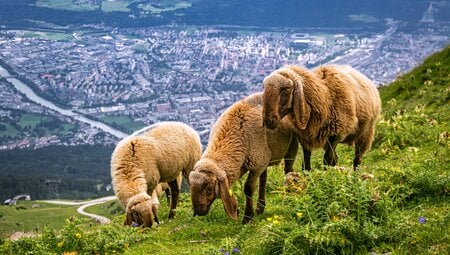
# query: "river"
(29, 93)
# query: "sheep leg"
(289, 158)
(174, 193)
(262, 193)
(330, 158)
(306, 165)
(362, 144)
(167, 191)
(249, 189)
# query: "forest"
(366, 14)
(83, 170)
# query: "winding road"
(84, 205)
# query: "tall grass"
(396, 203)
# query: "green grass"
(66, 5)
(29, 216)
(167, 5)
(48, 36)
(30, 121)
(124, 122)
(397, 202)
(109, 209)
(116, 6)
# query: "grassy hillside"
(397, 202)
(32, 216)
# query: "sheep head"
(283, 95)
(207, 182)
(139, 210)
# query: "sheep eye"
(284, 91)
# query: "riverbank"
(31, 95)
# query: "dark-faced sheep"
(162, 187)
(238, 144)
(158, 153)
(328, 105)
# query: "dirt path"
(84, 205)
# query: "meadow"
(397, 202)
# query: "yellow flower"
(230, 192)
(276, 217)
(276, 222)
(334, 218)
(78, 235)
(269, 219)
(70, 253)
(299, 214)
(60, 244)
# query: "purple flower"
(135, 224)
(226, 253)
(235, 250)
(222, 250)
(422, 220)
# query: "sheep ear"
(300, 108)
(229, 202)
(128, 219)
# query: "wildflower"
(78, 235)
(334, 218)
(60, 244)
(276, 222)
(276, 217)
(235, 250)
(269, 219)
(422, 220)
(222, 250)
(134, 224)
(299, 214)
(230, 192)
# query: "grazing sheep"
(158, 153)
(328, 105)
(157, 192)
(238, 144)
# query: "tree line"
(84, 171)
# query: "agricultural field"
(153, 7)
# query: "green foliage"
(32, 217)
(397, 202)
(74, 239)
(81, 169)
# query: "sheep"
(157, 192)
(238, 144)
(158, 153)
(328, 105)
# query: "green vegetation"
(33, 216)
(397, 202)
(20, 125)
(116, 6)
(124, 123)
(82, 170)
(164, 6)
(48, 35)
(67, 5)
(108, 209)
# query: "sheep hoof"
(260, 209)
(247, 219)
